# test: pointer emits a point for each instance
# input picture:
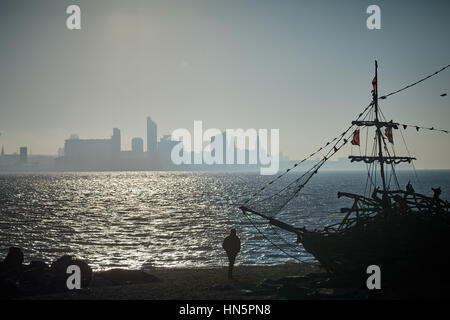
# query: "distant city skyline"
(106, 154)
(303, 67)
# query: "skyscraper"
(165, 147)
(115, 140)
(152, 138)
(137, 145)
(23, 154)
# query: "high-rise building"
(92, 154)
(23, 154)
(152, 138)
(165, 147)
(225, 147)
(137, 145)
(115, 140)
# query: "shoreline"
(251, 282)
(287, 281)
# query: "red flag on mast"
(374, 84)
(388, 134)
(355, 140)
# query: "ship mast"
(377, 124)
(382, 159)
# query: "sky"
(303, 67)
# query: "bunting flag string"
(309, 174)
(413, 84)
(405, 126)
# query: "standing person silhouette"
(232, 245)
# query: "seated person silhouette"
(437, 193)
(409, 188)
(232, 245)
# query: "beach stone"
(38, 265)
(38, 281)
(34, 274)
(59, 269)
(99, 282)
(13, 261)
(9, 288)
(61, 264)
(37, 277)
(11, 271)
(123, 276)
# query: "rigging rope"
(316, 167)
(338, 138)
(271, 242)
(343, 134)
(409, 154)
(413, 84)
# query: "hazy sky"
(304, 67)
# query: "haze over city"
(300, 66)
(205, 152)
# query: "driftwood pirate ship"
(405, 233)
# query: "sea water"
(167, 219)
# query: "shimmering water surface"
(163, 219)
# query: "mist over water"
(165, 219)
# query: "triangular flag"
(417, 128)
(405, 126)
(335, 149)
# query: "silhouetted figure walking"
(232, 245)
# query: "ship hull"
(410, 248)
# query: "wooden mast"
(378, 125)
